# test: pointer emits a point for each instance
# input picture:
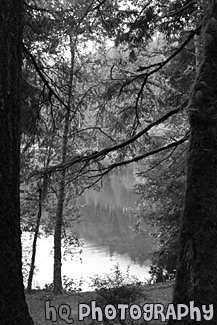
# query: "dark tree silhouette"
(13, 308)
(197, 272)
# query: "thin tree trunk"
(57, 277)
(13, 308)
(197, 271)
(42, 191)
(32, 265)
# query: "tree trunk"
(13, 308)
(197, 271)
(197, 46)
(32, 265)
(57, 277)
(42, 192)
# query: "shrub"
(115, 288)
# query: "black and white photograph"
(108, 162)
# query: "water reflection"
(94, 260)
(109, 218)
(112, 229)
(106, 232)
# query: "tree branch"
(140, 157)
(173, 13)
(160, 65)
(101, 173)
(106, 151)
(45, 81)
(99, 5)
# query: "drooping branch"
(104, 152)
(145, 155)
(160, 65)
(157, 66)
(101, 172)
(43, 78)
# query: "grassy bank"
(156, 293)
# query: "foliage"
(26, 253)
(69, 285)
(160, 200)
(163, 175)
(116, 288)
(158, 274)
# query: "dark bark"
(32, 265)
(197, 271)
(13, 308)
(57, 278)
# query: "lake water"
(106, 231)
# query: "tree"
(13, 308)
(196, 276)
(57, 278)
(41, 193)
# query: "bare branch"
(106, 151)
(104, 171)
(150, 153)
